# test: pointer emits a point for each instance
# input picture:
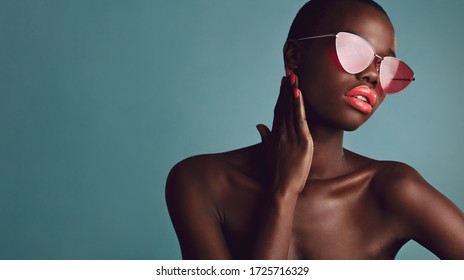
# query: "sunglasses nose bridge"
(371, 73)
(377, 60)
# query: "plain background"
(99, 99)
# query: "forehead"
(363, 20)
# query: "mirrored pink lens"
(354, 53)
(395, 75)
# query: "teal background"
(99, 99)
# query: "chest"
(345, 223)
(342, 226)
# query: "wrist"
(284, 196)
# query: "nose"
(371, 73)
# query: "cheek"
(323, 81)
(380, 93)
(325, 77)
(380, 98)
(320, 69)
(333, 60)
(324, 61)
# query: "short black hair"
(313, 11)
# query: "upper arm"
(425, 215)
(194, 215)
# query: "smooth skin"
(299, 194)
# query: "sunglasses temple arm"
(317, 37)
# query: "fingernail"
(287, 71)
(296, 93)
(292, 79)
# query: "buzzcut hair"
(309, 16)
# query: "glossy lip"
(365, 91)
(358, 104)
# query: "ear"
(292, 54)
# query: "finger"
(280, 107)
(264, 132)
(293, 80)
(290, 119)
(300, 124)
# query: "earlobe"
(292, 54)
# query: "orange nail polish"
(296, 93)
(292, 79)
(288, 71)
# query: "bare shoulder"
(419, 210)
(198, 173)
(393, 183)
(393, 174)
(390, 178)
(399, 184)
(209, 175)
(195, 190)
(404, 187)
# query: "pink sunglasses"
(356, 54)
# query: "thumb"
(264, 132)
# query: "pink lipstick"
(362, 98)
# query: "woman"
(299, 194)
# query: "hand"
(289, 146)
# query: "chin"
(353, 122)
(353, 125)
(345, 121)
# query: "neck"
(329, 156)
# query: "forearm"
(289, 152)
(275, 230)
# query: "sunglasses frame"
(336, 35)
